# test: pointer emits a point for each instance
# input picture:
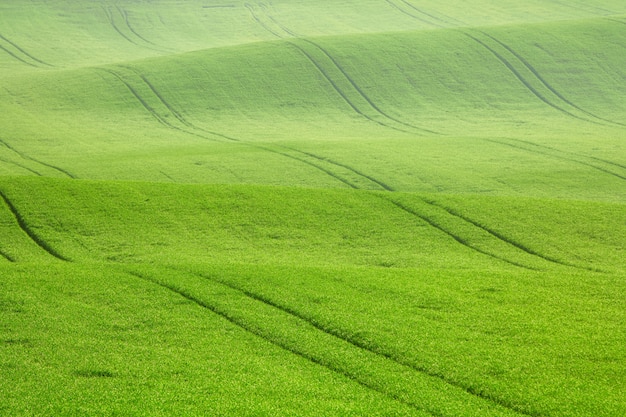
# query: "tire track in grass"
(20, 51)
(174, 112)
(548, 86)
(124, 14)
(416, 13)
(503, 238)
(335, 75)
(429, 220)
(190, 127)
(556, 154)
(186, 127)
(273, 339)
(347, 356)
(369, 178)
(6, 256)
(24, 167)
(361, 93)
(534, 90)
(315, 165)
(110, 18)
(402, 10)
(29, 232)
(451, 212)
(359, 343)
(108, 11)
(30, 158)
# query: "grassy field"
(374, 207)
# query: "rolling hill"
(382, 207)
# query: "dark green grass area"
(111, 343)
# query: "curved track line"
(23, 52)
(563, 158)
(7, 256)
(329, 78)
(26, 229)
(17, 57)
(379, 183)
(500, 236)
(192, 126)
(155, 114)
(25, 156)
(362, 93)
(360, 344)
(401, 10)
(452, 235)
(111, 20)
(258, 333)
(124, 14)
(545, 83)
(523, 80)
(21, 166)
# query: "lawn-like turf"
(313, 208)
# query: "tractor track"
(283, 33)
(356, 342)
(500, 236)
(38, 62)
(516, 73)
(6, 256)
(263, 334)
(564, 158)
(559, 102)
(29, 232)
(540, 78)
(108, 11)
(30, 158)
(24, 167)
(457, 238)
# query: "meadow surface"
(373, 207)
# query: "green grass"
(312, 208)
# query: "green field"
(313, 208)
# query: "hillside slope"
(379, 207)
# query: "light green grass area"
(379, 207)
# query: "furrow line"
(17, 57)
(587, 164)
(549, 148)
(349, 168)
(344, 96)
(362, 93)
(26, 229)
(173, 111)
(345, 336)
(111, 19)
(159, 96)
(532, 69)
(425, 14)
(124, 14)
(499, 235)
(261, 334)
(21, 166)
(329, 78)
(139, 98)
(521, 79)
(304, 161)
(24, 52)
(191, 126)
(401, 10)
(459, 239)
(25, 156)
(260, 22)
(7, 256)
